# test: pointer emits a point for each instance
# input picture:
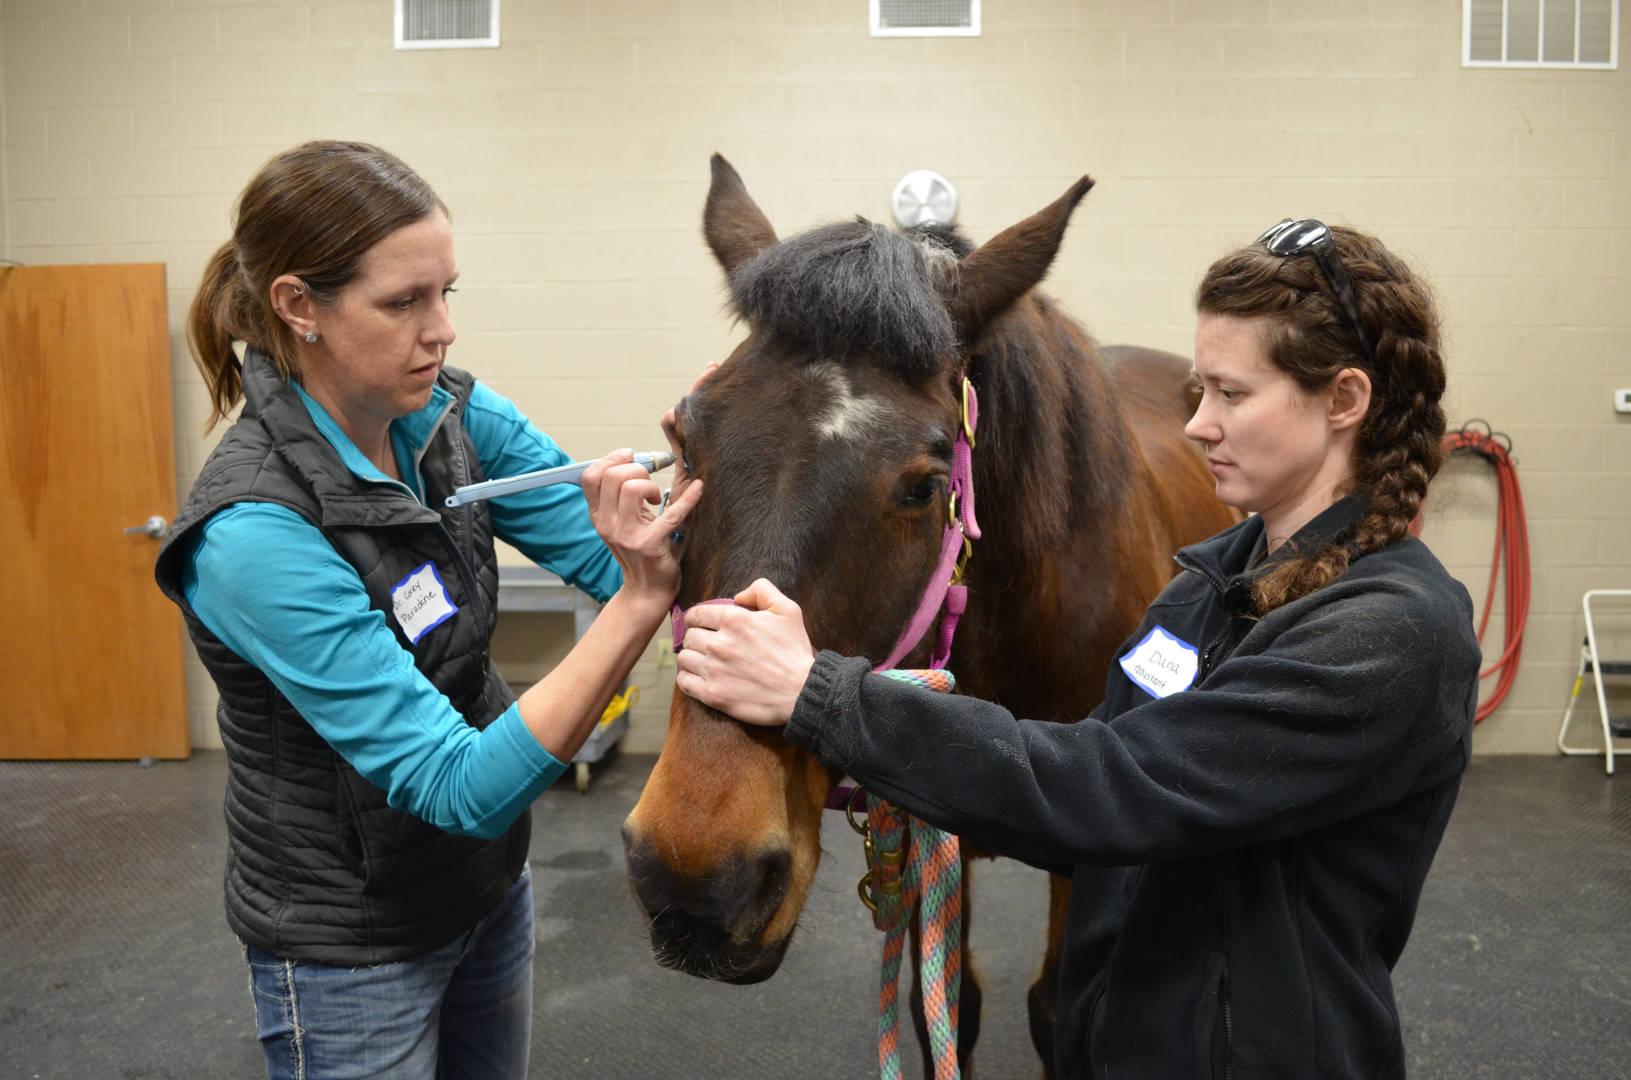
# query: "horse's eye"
(923, 493)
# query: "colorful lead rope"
(910, 863)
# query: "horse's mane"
(851, 289)
(1054, 449)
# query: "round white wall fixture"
(924, 197)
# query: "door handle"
(155, 526)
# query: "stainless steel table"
(531, 590)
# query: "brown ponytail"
(214, 322)
(1307, 335)
(312, 211)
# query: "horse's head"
(826, 443)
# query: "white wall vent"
(447, 24)
(925, 18)
(1540, 33)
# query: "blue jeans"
(463, 1011)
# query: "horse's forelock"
(854, 289)
(945, 237)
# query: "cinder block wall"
(575, 161)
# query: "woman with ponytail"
(379, 768)
(1249, 816)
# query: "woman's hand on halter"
(621, 496)
(749, 661)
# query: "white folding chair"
(1591, 660)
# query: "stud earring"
(311, 337)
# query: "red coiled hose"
(1512, 543)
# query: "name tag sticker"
(420, 602)
(1162, 664)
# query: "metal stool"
(1591, 660)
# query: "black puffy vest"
(318, 866)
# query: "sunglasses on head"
(1307, 236)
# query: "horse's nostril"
(647, 873)
(774, 871)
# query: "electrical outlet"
(1622, 401)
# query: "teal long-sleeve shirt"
(265, 581)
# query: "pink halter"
(946, 595)
(946, 590)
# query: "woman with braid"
(1250, 815)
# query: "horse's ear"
(1011, 263)
(734, 226)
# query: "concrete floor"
(118, 962)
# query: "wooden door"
(91, 659)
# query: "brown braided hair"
(1307, 334)
(312, 211)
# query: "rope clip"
(962, 562)
(968, 421)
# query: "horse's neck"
(1053, 576)
(1054, 454)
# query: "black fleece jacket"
(1248, 853)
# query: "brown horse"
(826, 444)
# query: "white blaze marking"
(847, 415)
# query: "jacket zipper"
(466, 568)
(1222, 590)
(1219, 584)
(1207, 657)
(469, 574)
(465, 563)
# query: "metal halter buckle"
(962, 562)
(968, 428)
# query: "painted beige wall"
(575, 161)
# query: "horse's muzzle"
(710, 925)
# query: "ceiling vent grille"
(447, 24)
(925, 18)
(1540, 33)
